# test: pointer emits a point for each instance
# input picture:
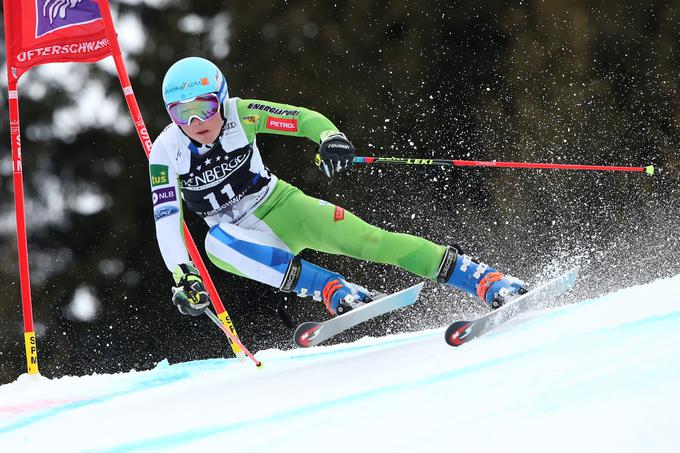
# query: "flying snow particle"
(85, 305)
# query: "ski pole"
(222, 313)
(649, 169)
(143, 134)
(233, 338)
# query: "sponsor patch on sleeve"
(159, 174)
(251, 119)
(164, 211)
(339, 214)
(282, 124)
(160, 196)
(273, 110)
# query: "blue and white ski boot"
(493, 287)
(339, 296)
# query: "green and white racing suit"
(258, 222)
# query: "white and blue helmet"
(191, 77)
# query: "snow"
(600, 375)
(84, 306)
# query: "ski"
(461, 332)
(312, 333)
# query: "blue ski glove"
(336, 154)
(189, 295)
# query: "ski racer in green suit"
(208, 157)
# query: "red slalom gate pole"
(22, 241)
(649, 169)
(143, 134)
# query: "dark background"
(590, 82)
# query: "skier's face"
(204, 132)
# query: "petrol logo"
(282, 124)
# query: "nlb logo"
(164, 195)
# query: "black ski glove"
(336, 154)
(189, 295)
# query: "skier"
(209, 158)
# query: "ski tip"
(457, 332)
(649, 169)
(306, 333)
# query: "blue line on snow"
(189, 436)
(177, 439)
(181, 371)
(176, 373)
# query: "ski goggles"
(201, 107)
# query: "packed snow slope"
(602, 375)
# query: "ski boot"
(493, 287)
(339, 296)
